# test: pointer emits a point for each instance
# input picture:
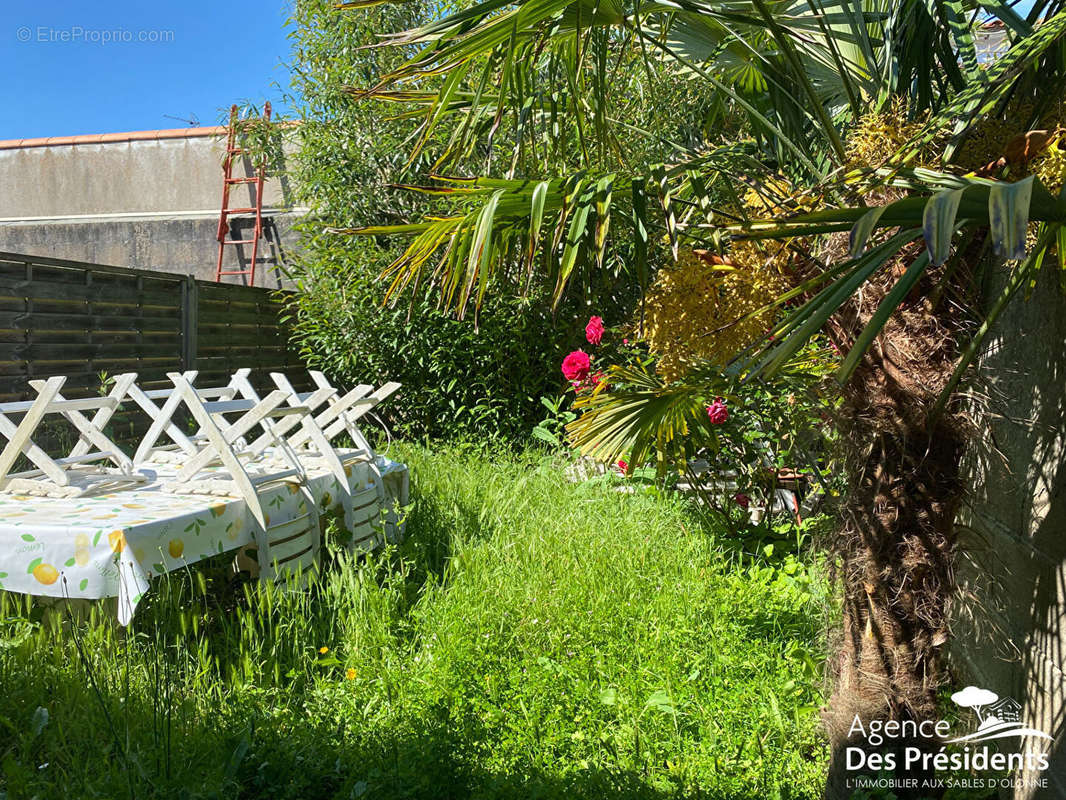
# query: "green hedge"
(459, 379)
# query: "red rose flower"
(717, 412)
(742, 500)
(594, 330)
(622, 465)
(576, 367)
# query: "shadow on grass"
(436, 761)
(267, 746)
(261, 756)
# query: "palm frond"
(647, 416)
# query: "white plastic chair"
(305, 440)
(182, 446)
(282, 547)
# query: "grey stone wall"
(1009, 624)
(140, 175)
(181, 245)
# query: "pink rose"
(594, 330)
(717, 412)
(742, 500)
(576, 367)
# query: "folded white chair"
(286, 429)
(220, 467)
(343, 414)
(328, 417)
(362, 503)
(85, 470)
(364, 509)
(182, 446)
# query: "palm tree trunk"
(895, 548)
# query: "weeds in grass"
(529, 638)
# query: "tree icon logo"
(997, 717)
(977, 699)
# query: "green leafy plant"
(540, 81)
(261, 140)
(458, 381)
(552, 429)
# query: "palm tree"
(888, 256)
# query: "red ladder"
(227, 181)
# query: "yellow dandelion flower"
(350, 674)
(323, 650)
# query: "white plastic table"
(112, 545)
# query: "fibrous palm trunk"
(894, 551)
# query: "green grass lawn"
(531, 638)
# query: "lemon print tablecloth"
(112, 545)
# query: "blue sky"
(76, 67)
(99, 67)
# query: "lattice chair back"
(342, 413)
(284, 431)
(220, 467)
(182, 445)
(95, 464)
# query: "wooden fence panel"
(82, 320)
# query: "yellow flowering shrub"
(1050, 166)
(689, 308)
(878, 135)
(775, 196)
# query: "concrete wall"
(1010, 625)
(180, 245)
(148, 200)
(177, 174)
